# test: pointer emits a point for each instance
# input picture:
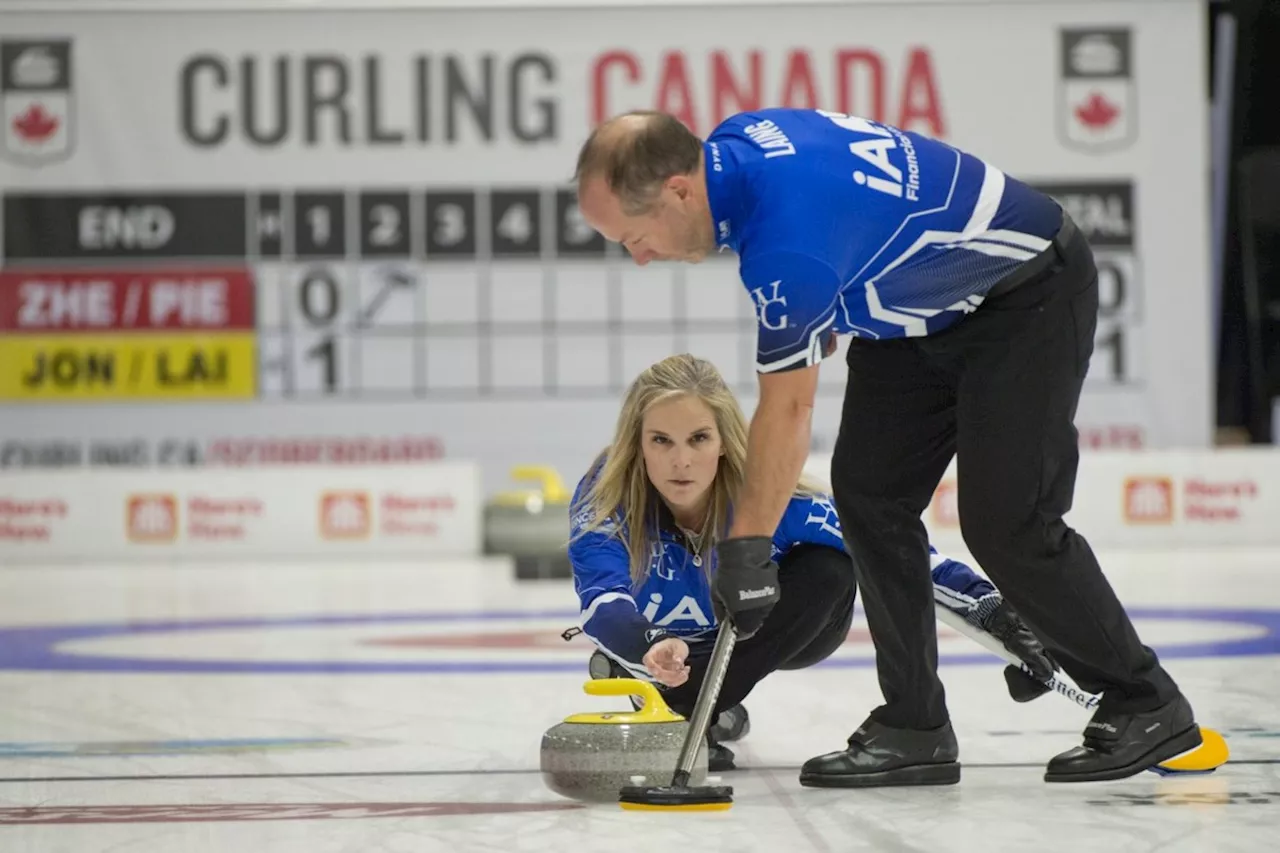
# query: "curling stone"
(532, 525)
(591, 757)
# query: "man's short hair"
(637, 157)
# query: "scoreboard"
(456, 293)
(434, 294)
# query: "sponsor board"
(1214, 498)
(424, 510)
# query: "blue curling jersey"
(675, 594)
(844, 225)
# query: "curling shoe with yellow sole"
(1117, 746)
(879, 756)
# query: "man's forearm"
(777, 447)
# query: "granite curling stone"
(530, 526)
(591, 757)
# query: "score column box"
(584, 289)
(517, 291)
(449, 239)
(388, 298)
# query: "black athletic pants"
(999, 391)
(810, 621)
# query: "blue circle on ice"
(37, 648)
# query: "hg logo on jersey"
(658, 562)
(762, 305)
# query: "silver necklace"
(696, 540)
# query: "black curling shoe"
(719, 757)
(1117, 746)
(879, 756)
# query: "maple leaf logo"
(35, 125)
(1097, 112)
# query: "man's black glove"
(746, 583)
(994, 615)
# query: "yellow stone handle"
(553, 490)
(654, 711)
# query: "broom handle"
(1059, 682)
(708, 694)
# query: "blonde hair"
(622, 493)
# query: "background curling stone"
(530, 526)
(591, 757)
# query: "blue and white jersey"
(675, 596)
(843, 225)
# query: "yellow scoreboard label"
(190, 366)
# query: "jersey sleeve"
(795, 298)
(809, 520)
(955, 585)
(609, 616)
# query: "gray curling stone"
(532, 526)
(591, 757)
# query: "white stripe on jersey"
(975, 237)
(984, 209)
(1028, 241)
(951, 599)
(915, 327)
(922, 312)
(998, 250)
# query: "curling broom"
(1211, 754)
(679, 795)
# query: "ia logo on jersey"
(887, 178)
(763, 302)
(687, 609)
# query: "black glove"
(1022, 687)
(746, 583)
(996, 616)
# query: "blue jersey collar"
(722, 195)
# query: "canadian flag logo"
(37, 107)
(151, 518)
(1148, 500)
(1097, 95)
(1097, 112)
(35, 125)
(345, 515)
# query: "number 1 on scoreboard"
(319, 346)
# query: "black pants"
(999, 391)
(810, 621)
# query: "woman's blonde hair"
(624, 500)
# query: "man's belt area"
(1037, 267)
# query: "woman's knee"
(825, 570)
(831, 638)
(827, 580)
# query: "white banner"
(424, 511)
(394, 184)
(1222, 498)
